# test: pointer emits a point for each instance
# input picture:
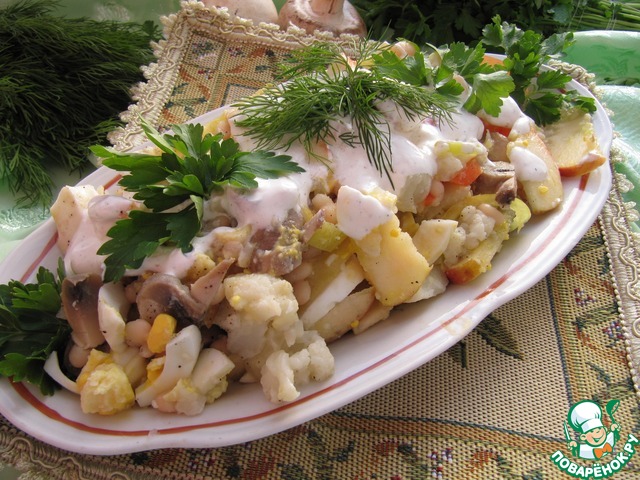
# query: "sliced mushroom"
(507, 192)
(497, 147)
(208, 288)
(164, 293)
(498, 178)
(336, 16)
(79, 296)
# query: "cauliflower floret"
(261, 297)
(474, 226)
(263, 329)
(258, 302)
(322, 364)
(106, 390)
(283, 372)
(277, 378)
(477, 226)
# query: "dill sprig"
(325, 83)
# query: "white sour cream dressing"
(509, 113)
(270, 203)
(359, 214)
(522, 126)
(101, 213)
(527, 165)
(462, 126)
(351, 166)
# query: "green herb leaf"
(411, 70)
(541, 94)
(487, 92)
(30, 329)
(191, 168)
(465, 61)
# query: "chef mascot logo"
(594, 442)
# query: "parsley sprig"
(489, 83)
(173, 187)
(30, 329)
(540, 93)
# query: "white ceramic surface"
(414, 335)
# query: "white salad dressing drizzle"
(81, 256)
(351, 166)
(522, 126)
(101, 213)
(270, 203)
(359, 214)
(527, 165)
(509, 113)
(173, 261)
(462, 126)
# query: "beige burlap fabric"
(491, 407)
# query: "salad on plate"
(239, 249)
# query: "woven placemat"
(491, 407)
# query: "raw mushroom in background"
(337, 16)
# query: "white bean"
(136, 332)
(78, 356)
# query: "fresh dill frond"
(63, 84)
(325, 83)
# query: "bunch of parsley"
(30, 329)
(541, 93)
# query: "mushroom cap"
(79, 296)
(162, 293)
(336, 16)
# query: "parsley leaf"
(30, 329)
(173, 186)
(411, 69)
(540, 93)
(487, 92)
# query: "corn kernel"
(543, 189)
(235, 301)
(162, 331)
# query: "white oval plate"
(414, 335)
